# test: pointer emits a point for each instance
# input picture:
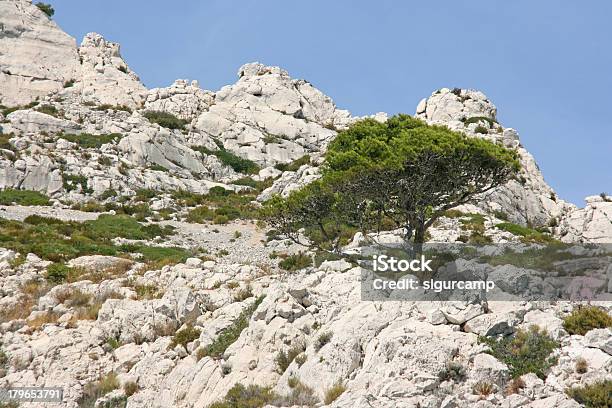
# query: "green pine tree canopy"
(399, 174)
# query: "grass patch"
(60, 241)
(22, 197)
(228, 158)
(6, 111)
(165, 119)
(527, 235)
(586, 318)
(527, 351)
(220, 206)
(596, 395)
(89, 141)
(230, 334)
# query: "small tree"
(399, 174)
(46, 8)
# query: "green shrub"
(7, 111)
(97, 389)
(527, 351)
(527, 234)
(89, 141)
(165, 119)
(228, 158)
(22, 197)
(106, 107)
(60, 241)
(158, 167)
(46, 8)
(200, 214)
(294, 165)
(295, 262)
(284, 359)
(239, 396)
(334, 392)
(481, 129)
(108, 226)
(72, 182)
(596, 395)
(48, 110)
(322, 340)
(586, 318)
(230, 334)
(452, 371)
(185, 336)
(476, 119)
(220, 219)
(57, 273)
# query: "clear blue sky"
(547, 65)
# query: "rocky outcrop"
(529, 200)
(270, 118)
(593, 223)
(36, 56)
(182, 99)
(105, 77)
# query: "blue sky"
(547, 65)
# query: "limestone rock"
(105, 77)
(182, 99)
(36, 56)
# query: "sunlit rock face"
(36, 56)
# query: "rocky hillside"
(133, 271)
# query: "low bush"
(239, 396)
(22, 197)
(46, 8)
(59, 241)
(452, 371)
(334, 392)
(596, 395)
(483, 388)
(285, 358)
(527, 234)
(49, 110)
(97, 389)
(294, 165)
(106, 107)
(185, 336)
(481, 129)
(89, 141)
(165, 119)
(322, 340)
(228, 158)
(295, 262)
(527, 351)
(74, 182)
(585, 318)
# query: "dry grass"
(515, 386)
(31, 292)
(582, 366)
(39, 321)
(334, 392)
(483, 388)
